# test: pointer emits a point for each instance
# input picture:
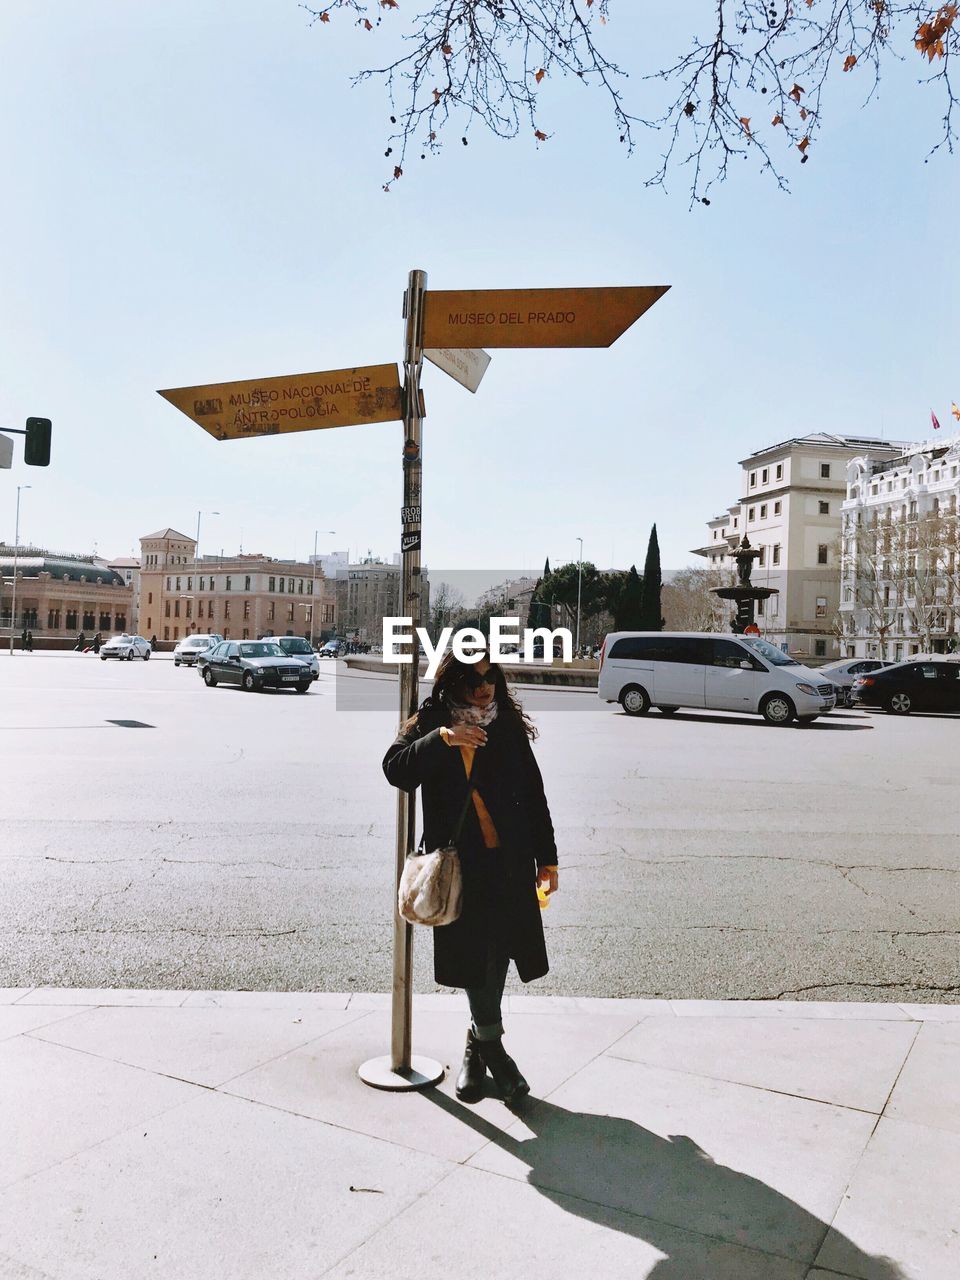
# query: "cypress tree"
(650, 608)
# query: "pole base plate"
(378, 1073)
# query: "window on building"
(189, 608)
(762, 557)
(300, 587)
(819, 648)
(271, 611)
(822, 553)
(280, 586)
(176, 633)
(776, 508)
(886, 596)
(166, 633)
(714, 535)
(166, 609)
(213, 584)
(736, 521)
(246, 583)
(199, 608)
(246, 634)
(104, 621)
(763, 511)
(149, 597)
(246, 608)
(229, 584)
(774, 606)
(176, 608)
(759, 608)
(751, 514)
(168, 583)
(776, 553)
(178, 584)
(289, 612)
(273, 584)
(824, 470)
(779, 471)
(821, 606)
(824, 508)
(764, 475)
(913, 510)
(753, 479)
(226, 610)
(190, 584)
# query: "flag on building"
(933, 419)
(955, 410)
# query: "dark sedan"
(253, 665)
(919, 685)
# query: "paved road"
(246, 841)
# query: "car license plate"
(293, 679)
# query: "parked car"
(188, 650)
(843, 673)
(669, 670)
(125, 646)
(297, 647)
(930, 685)
(332, 649)
(255, 665)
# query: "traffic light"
(36, 448)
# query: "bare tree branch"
(754, 85)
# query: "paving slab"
(56, 1102)
(843, 1009)
(265, 1000)
(542, 1234)
(902, 1204)
(933, 1012)
(9, 995)
(205, 1046)
(851, 1064)
(96, 996)
(217, 1188)
(17, 1019)
(320, 1079)
(928, 1089)
(755, 1168)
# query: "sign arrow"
(534, 317)
(466, 366)
(295, 402)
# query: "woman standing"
(472, 729)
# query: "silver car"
(125, 646)
(189, 649)
(298, 647)
(843, 673)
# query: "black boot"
(505, 1072)
(470, 1081)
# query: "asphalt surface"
(247, 841)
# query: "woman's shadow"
(670, 1193)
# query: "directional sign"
(463, 365)
(298, 402)
(534, 317)
(6, 453)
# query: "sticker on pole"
(410, 541)
(296, 402)
(409, 515)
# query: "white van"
(673, 669)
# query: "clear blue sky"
(192, 194)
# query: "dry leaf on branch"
(849, 62)
(745, 121)
(802, 145)
(447, 51)
(540, 74)
(368, 24)
(929, 37)
(324, 17)
(540, 137)
(777, 120)
(389, 4)
(397, 171)
(795, 92)
(436, 95)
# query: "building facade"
(128, 567)
(241, 597)
(900, 553)
(368, 592)
(60, 594)
(790, 510)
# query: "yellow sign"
(533, 317)
(297, 402)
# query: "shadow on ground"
(668, 1192)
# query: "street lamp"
(196, 545)
(16, 555)
(313, 584)
(579, 584)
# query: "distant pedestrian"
(81, 641)
(97, 643)
(153, 643)
(23, 639)
(471, 727)
(29, 641)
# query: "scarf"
(464, 713)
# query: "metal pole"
(579, 581)
(16, 557)
(401, 1070)
(313, 587)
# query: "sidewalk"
(214, 1135)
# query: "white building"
(790, 509)
(900, 571)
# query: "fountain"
(743, 593)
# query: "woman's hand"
(464, 735)
(548, 876)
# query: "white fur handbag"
(431, 885)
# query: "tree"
(689, 603)
(651, 616)
(754, 82)
(446, 608)
(624, 597)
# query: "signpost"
(449, 328)
(299, 402)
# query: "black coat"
(499, 885)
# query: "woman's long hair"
(448, 686)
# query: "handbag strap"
(463, 812)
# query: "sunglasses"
(473, 679)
